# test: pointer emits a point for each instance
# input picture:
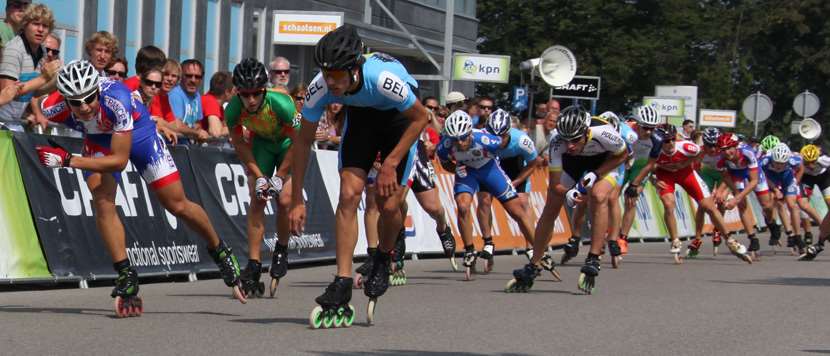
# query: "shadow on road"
(785, 281)
(300, 321)
(406, 352)
(817, 351)
(91, 311)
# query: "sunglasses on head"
(250, 94)
(89, 99)
(113, 73)
(152, 83)
(280, 71)
(52, 51)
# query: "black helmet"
(573, 122)
(666, 132)
(339, 49)
(250, 74)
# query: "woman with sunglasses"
(150, 86)
(117, 131)
(272, 119)
(117, 69)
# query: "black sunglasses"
(152, 83)
(299, 97)
(194, 76)
(244, 95)
(485, 107)
(280, 71)
(89, 99)
(113, 73)
(52, 51)
(433, 108)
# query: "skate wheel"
(275, 282)
(239, 295)
(616, 261)
(714, 251)
(339, 317)
(370, 311)
(315, 319)
(488, 265)
(453, 264)
(468, 274)
(358, 281)
(120, 309)
(585, 284)
(677, 259)
(349, 317)
(328, 319)
(556, 276)
(509, 287)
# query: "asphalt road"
(708, 306)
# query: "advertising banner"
(673, 109)
(580, 87)
(20, 253)
(717, 118)
(480, 67)
(687, 92)
(303, 27)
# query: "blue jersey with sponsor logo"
(780, 176)
(484, 149)
(385, 85)
(520, 145)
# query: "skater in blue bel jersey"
(517, 157)
(383, 115)
(583, 164)
(118, 129)
(782, 169)
(472, 155)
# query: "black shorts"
(369, 132)
(577, 166)
(423, 178)
(821, 180)
(513, 167)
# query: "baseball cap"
(455, 96)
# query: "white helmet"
(612, 118)
(77, 78)
(458, 124)
(781, 153)
(647, 116)
(573, 122)
(498, 123)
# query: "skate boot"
(776, 242)
(377, 281)
(717, 239)
(334, 309)
(811, 252)
(694, 248)
(808, 238)
(737, 249)
(774, 231)
(127, 302)
(800, 245)
(228, 268)
(588, 274)
(487, 254)
(548, 265)
(675, 248)
(470, 256)
(522, 279)
(754, 247)
(448, 243)
(279, 266)
(571, 249)
(364, 269)
(615, 250)
(623, 242)
(249, 277)
(398, 276)
(791, 245)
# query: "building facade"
(220, 33)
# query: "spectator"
(688, 130)
(485, 108)
(150, 86)
(22, 61)
(540, 112)
(186, 101)
(148, 58)
(52, 48)
(220, 92)
(298, 93)
(280, 73)
(440, 117)
(328, 131)
(455, 100)
(541, 132)
(431, 103)
(117, 69)
(472, 109)
(13, 23)
(101, 48)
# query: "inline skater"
(708, 171)
(817, 174)
(383, 116)
(270, 117)
(782, 169)
(117, 130)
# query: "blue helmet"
(498, 123)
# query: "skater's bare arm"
(638, 180)
(387, 181)
(114, 162)
(612, 163)
(526, 172)
(285, 168)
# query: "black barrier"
(158, 242)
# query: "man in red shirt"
(221, 90)
(149, 57)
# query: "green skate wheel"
(328, 319)
(339, 317)
(349, 317)
(315, 319)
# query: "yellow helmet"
(810, 153)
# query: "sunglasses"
(152, 83)
(113, 73)
(299, 98)
(250, 94)
(193, 76)
(53, 51)
(461, 138)
(89, 99)
(433, 108)
(280, 71)
(483, 107)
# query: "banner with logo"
(717, 118)
(20, 253)
(520, 98)
(481, 67)
(303, 27)
(580, 87)
(672, 108)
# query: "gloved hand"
(588, 180)
(632, 191)
(276, 186)
(262, 189)
(572, 195)
(53, 157)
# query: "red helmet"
(728, 140)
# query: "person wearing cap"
(455, 100)
(13, 23)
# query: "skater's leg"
(465, 218)
(795, 214)
(600, 194)
(628, 215)
(371, 218)
(804, 204)
(615, 214)
(544, 227)
(103, 189)
(256, 223)
(431, 203)
(352, 181)
(516, 210)
(283, 204)
(747, 219)
(484, 213)
(391, 216)
(172, 198)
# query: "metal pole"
(593, 107)
(530, 107)
(755, 113)
(804, 105)
(446, 68)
